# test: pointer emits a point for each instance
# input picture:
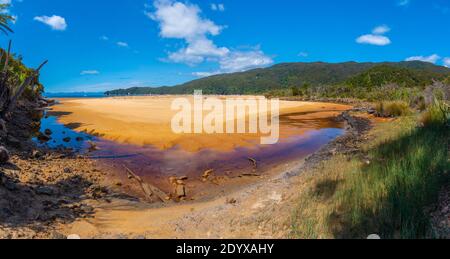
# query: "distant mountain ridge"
(287, 75)
(74, 94)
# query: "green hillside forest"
(370, 81)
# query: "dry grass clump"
(392, 109)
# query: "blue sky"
(98, 45)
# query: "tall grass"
(436, 115)
(392, 108)
(406, 168)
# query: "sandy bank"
(146, 121)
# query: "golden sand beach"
(147, 121)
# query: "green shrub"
(436, 115)
(392, 109)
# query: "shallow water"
(306, 135)
(61, 132)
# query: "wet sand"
(145, 121)
(135, 132)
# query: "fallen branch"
(254, 162)
(148, 189)
(207, 174)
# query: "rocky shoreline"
(41, 188)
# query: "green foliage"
(447, 80)
(296, 91)
(384, 74)
(5, 18)
(18, 72)
(388, 197)
(392, 108)
(386, 193)
(368, 81)
(437, 114)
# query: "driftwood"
(207, 174)
(254, 162)
(148, 189)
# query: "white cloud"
(240, 61)
(183, 21)
(56, 22)
(197, 51)
(5, 1)
(105, 38)
(218, 7)
(377, 37)
(447, 62)
(431, 59)
(380, 30)
(303, 54)
(205, 74)
(89, 72)
(403, 2)
(122, 44)
(372, 39)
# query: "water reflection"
(301, 135)
(62, 136)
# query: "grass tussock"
(348, 197)
(392, 108)
(436, 115)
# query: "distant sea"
(74, 95)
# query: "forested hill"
(290, 75)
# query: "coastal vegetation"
(5, 18)
(16, 80)
(384, 190)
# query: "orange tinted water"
(302, 135)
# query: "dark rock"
(79, 139)
(8, 184)
(181, 191)
(3, 130)
(48, 132)
(92, 146)
(231, 201)
(4, 155)
(43, 138)
(67, 170)
(43, 190)
(13, 141)
(68, 139)
(36, 154)
(3, 125)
